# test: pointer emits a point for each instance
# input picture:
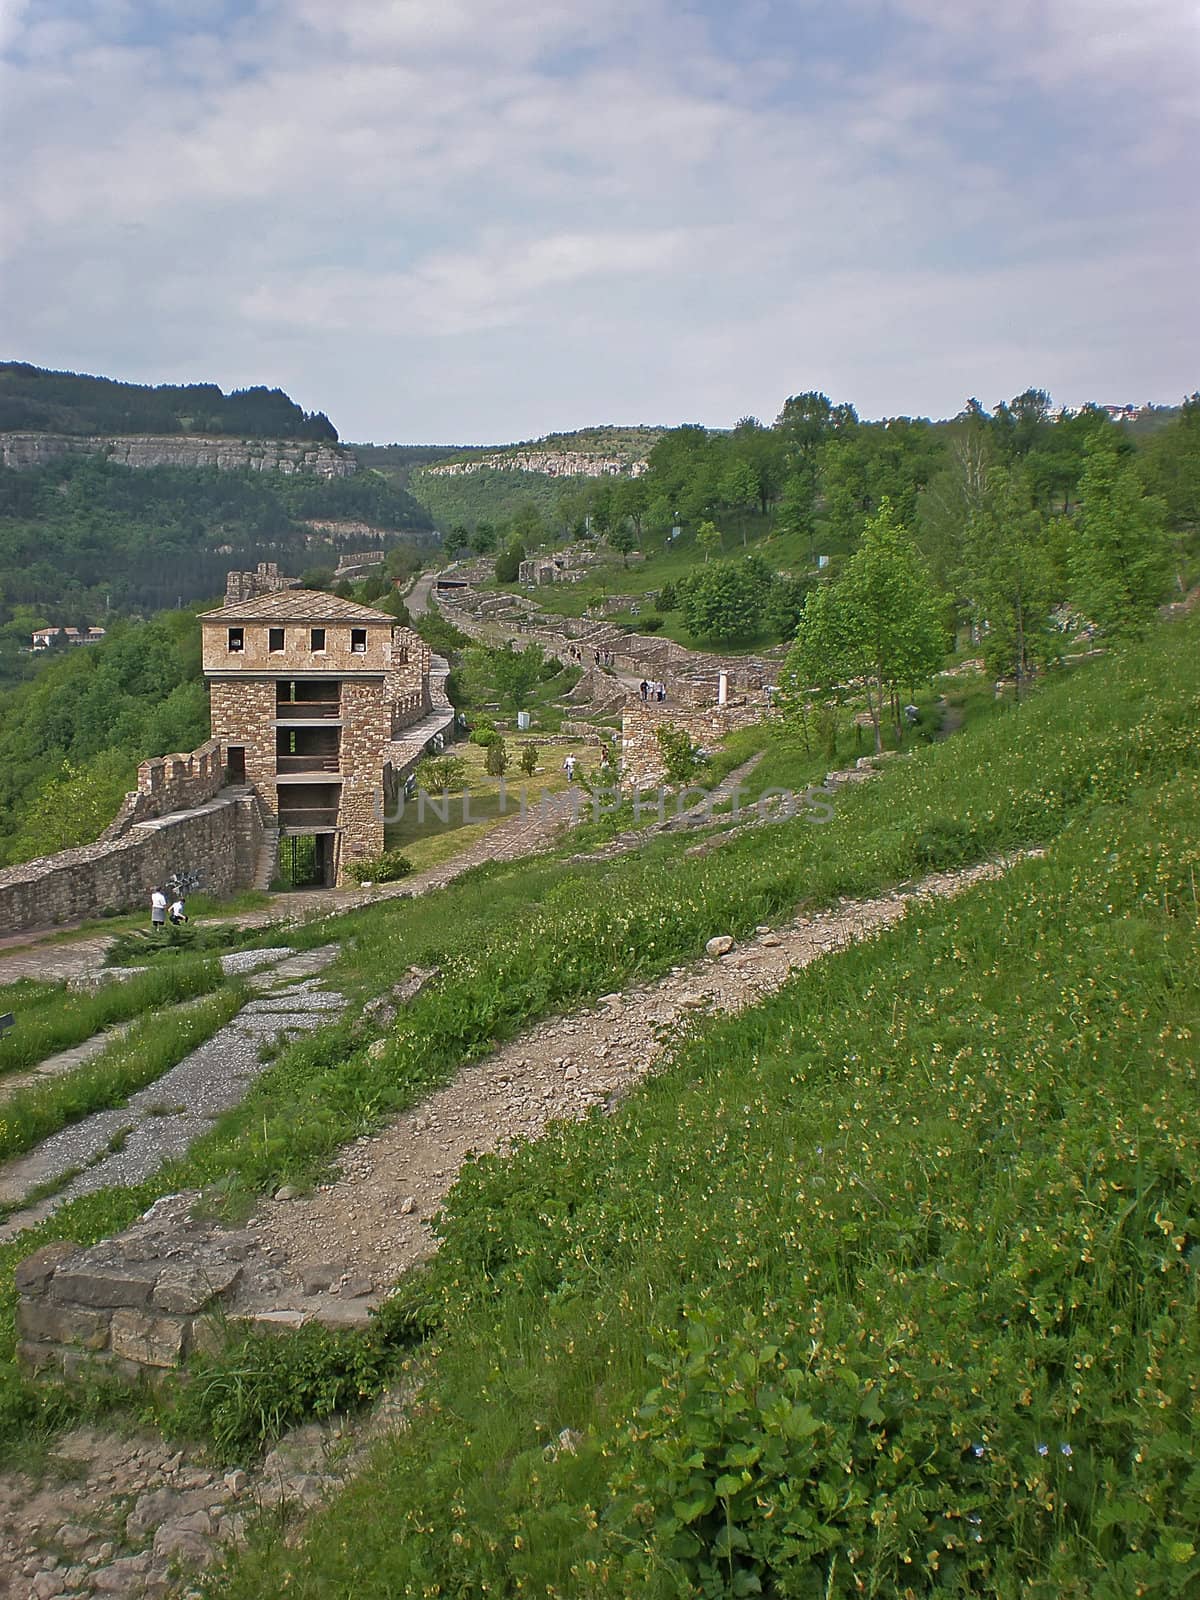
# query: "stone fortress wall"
(219, 841)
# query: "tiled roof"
(296, 605)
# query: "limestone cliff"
(183, 450)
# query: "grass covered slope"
(886, 1287)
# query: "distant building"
(44, 638)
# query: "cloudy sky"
(480, 220)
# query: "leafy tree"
(441, 774)
(75, 805)
(508, 563)
(483, 540)
(529, 759)
(317, 578)
(739, 489)
(624, 541)
(495, 760)
(725, 601)
(880, 621)
(709, 538)
(516, 673)
(631, 500)
(681, 757)
(667, 598)
(1009, 575)
(1172, 466)
(1120, 554)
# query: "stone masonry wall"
(642, 765)
(241, 712)
(133, 1305)
(366, 732)
(218, 841)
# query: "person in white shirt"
(569, 768)
(158, 909)
(178, 911)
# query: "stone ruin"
(139, 1304)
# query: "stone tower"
(307, 692)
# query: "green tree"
(529, 759)
(75, 805)
(624, 541)
(681, 757)
(1008, 573)
(725, 601)
(483, 540)
(495, 759)
(709, 538)
(739, 489)
(1120, 554)
(508, 563)
(516, 673)
(880, 621)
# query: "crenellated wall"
(169, 783)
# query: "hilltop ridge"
(37, 400)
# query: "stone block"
(192, 1288)
(57, 1324)
(148, 1340)
(118, 1284)
(32, 1275)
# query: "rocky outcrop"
(182, 450)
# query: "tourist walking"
(643, 688)
(568, 767)
(158, 908)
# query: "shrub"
(383, 869)
(529, 759)
(496, 761)
(680, 756)
(651, 623)
(484, 735)
(667, 597)
(441, 773)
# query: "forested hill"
(70, 742)
(35, 400)
(82, 538)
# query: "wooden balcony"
(307, 710)
(305, 763)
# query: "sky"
(473, 221)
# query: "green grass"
(886, 1287)
(515, 942)
(52, 1018)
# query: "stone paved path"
(124, 1145)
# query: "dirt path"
(374, 1221)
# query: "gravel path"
(375, 1219)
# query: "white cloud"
(529, 211)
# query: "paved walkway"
(124, 1145)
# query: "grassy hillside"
(814, 1299)
(885, 1287)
